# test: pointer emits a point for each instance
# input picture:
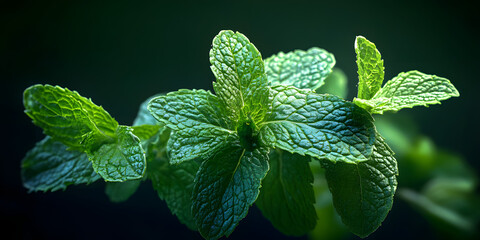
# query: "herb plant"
(211, 156)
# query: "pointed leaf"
(363, 192)
(241, 80)
(68, 117)
(370, 68)
(225, 187)
(302, 69)
(322, 126)
(286, 197)
(49, 166)
(197, 119)
(408, 90)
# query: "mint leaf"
(302, 69)
(196, 116)
(370, 68)
(49, 166)
(408, 90)
(335, 84)
(145, 132)
(122, 160)
(363, 192)
(286, 197)
(174, 184)
(322, 126)
(121, 191)
(225, 187)
(241, 80)
(144, 117)
(68, 117)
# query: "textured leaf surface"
(409, 89)
(225, 187)
(241, 80)
(335, 84)
(363, 193)
(196, 116)
(121, 160)
(370, 68)
(302, 69)
(145, 132)
(174, 184)
(49, 166)
(66, 116)
(121, 191)
(322, 126)
(286, 197)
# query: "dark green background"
(119, 53)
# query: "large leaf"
(198, 121)
(241, 80)
(68, 117)
(121, 160)
(322, 126)
(363, 192)
(226, 186)
(302, 69)
(286, 197)
(49, 166)
(174, 184)
(370, 68)
(408, 90)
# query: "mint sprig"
(234, 132)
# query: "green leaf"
(370, 68)
(49, 166)
(121, 160)
(241, 80)
(197, 118)
(225, 187)
(363, 193)
(121, 191)
(286, 197)
(322, 126)
(144, 117)
(145, 132)
(68, 117)
(302, 69)
(408, 90)
(335, 84)
(174, 184)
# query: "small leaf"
(408, 90)
(286, 197)
(241, 80)
(68, 117)
(121, 160)
(370, 68)
(121, 191)
(363, 192)
(49, 166)
(226, 186)
(302, 69)
(145, 132)
(335, 84)
(322, 126)
(144, 117)
(197, 118)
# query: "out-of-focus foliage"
(439, 184)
